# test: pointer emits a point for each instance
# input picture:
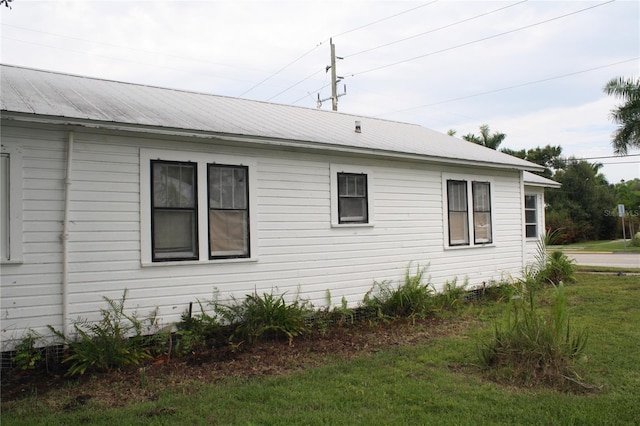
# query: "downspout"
(65, 237)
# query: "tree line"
(585, 206)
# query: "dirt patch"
(144, 383)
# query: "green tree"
(582, 208)
(549, 157)
(627, 115)
(628, 193)
(487, 139)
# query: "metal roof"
(37, 93)
(533, 179)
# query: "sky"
(533, 70)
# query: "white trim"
(15, 205)
(201, 159)
(469, 179)
(334, 169)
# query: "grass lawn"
(613, 246)
(434, 382)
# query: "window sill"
(352, 225)
(476, 246)
(146, 264)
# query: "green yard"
(605, 246)
(433, 380)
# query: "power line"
(383, 19)
(479, 40)
(436, 29)
(515, 86)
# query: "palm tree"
(627, 135)
(492, 141)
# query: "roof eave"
(289, 143)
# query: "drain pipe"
(65, 238)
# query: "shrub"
(559, 268)
(266, 316)
(117, 340)
(411, 299)
(530, 346)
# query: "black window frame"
(365, 198)
(247, 231)
(450, 210)
(476, 209)
(194, 209)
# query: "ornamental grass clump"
(411, 299)
(532, 346)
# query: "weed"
(452, 296)
(530, 346)
(26, 355)
(195, 331)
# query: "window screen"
(458, 212)
(482, 212)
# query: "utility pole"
(334, 80)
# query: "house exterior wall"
(296, 250)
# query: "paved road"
(619, 260)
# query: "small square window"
(531, 216)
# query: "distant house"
(109, 186)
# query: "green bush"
(266, 316)
(411, 299)
(117, 340)
(559, 268)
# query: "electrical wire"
(478, 40)
(435, 29)
(515, 86)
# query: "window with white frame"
(531, 216)
(11, 204)
(5, 201)
(351, 196)
(468, 208)
(195, 207)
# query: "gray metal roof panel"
(46, 93)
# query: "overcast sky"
(533, 70)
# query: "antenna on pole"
(335, 79)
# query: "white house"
(108, 186)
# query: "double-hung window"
(352, 198)
(531, 216)
(11, 204)
(196, 207)
(174, 211)
(468, 208)
(481, 212)
(5, 201)
(228, 211)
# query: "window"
(468, 207)
(11, 204)
(352, 198)
(5, 254)
(531, 216)
(481, 212)
(196, 208)
(352, 195)
(458, 212)
(228, 211)
(174, 206)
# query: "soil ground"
(118, 388)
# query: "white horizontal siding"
(299, 252)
